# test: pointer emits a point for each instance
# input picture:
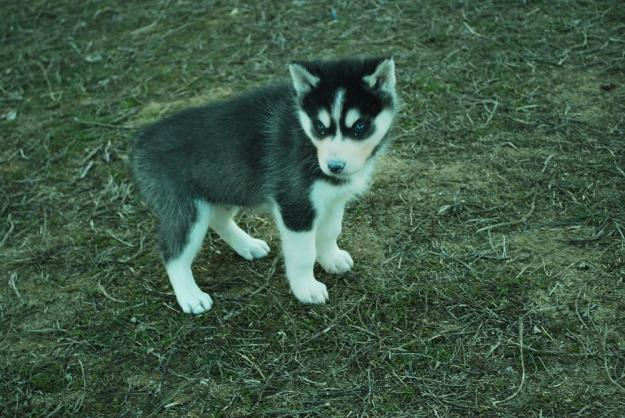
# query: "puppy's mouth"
(341, 176)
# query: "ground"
(490, 251)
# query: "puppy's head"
(345, 108)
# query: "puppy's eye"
(360, 127)
(320, 127)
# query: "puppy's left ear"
(303, 80)
(383, 76)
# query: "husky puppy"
(303, 148)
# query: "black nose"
(336, 167)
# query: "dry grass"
(489, 253)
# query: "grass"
(490, 252)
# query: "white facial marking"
(306, 123)
(351, 117)
(382, 124)
(324, 117)
(337, 107)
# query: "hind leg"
(222, 222)
(181, 239)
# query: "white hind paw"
(310, 291)
(252, 248)
(194, 301)
(337, 262)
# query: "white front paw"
(192, 300)
(310, 291)
(337, 262)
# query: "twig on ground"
(516, 392)
(604, 337)
(12, 278)
(104, 292)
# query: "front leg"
(298, 245)
(329, 255)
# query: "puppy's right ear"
(303, 80)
